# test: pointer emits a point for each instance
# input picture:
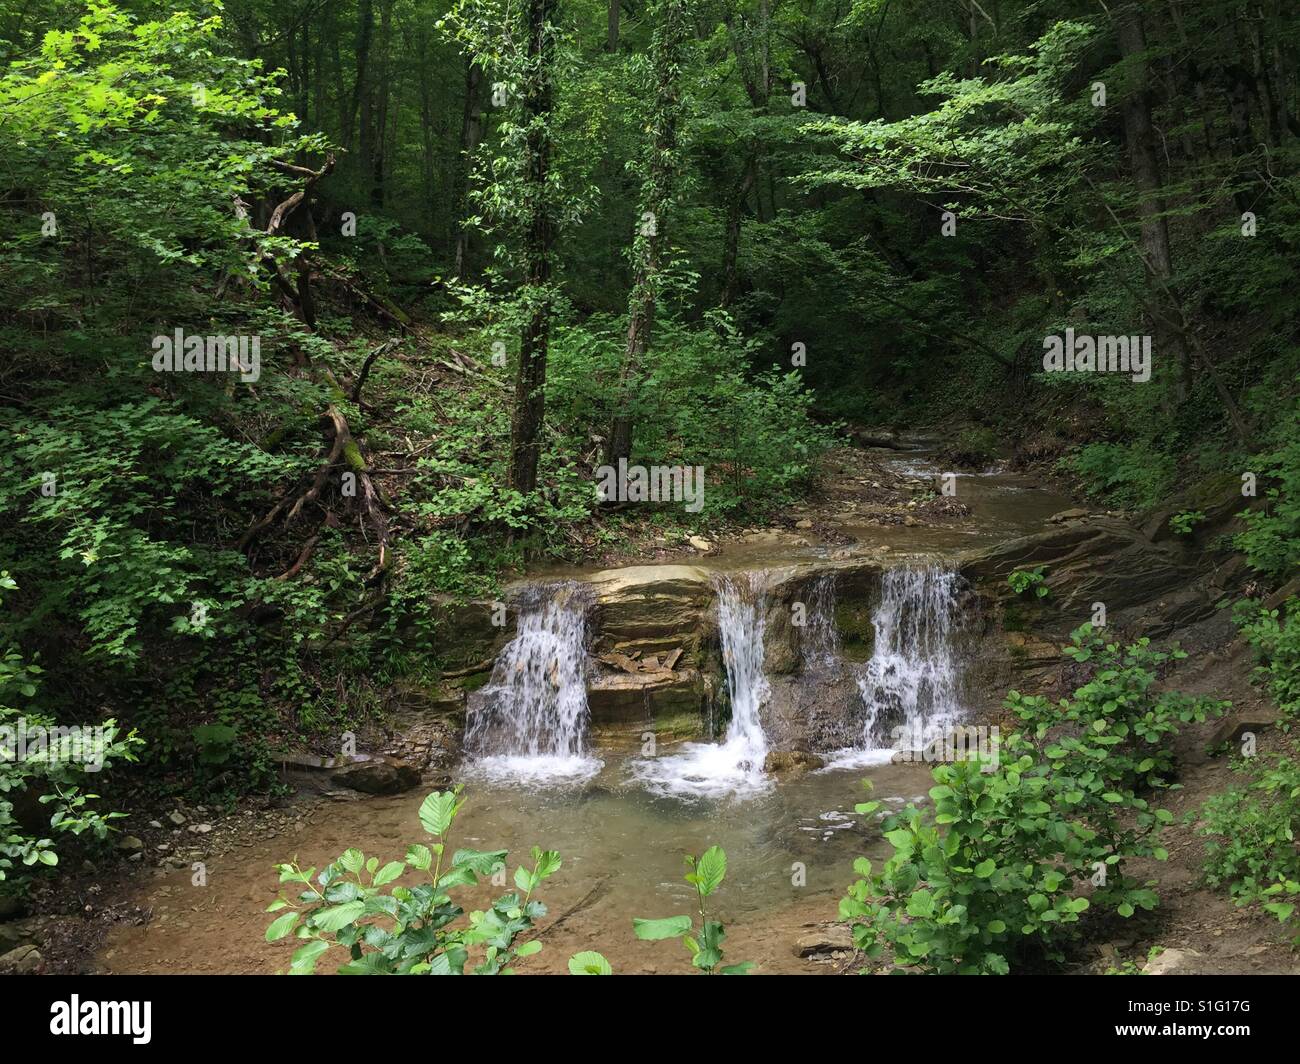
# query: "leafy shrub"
(1271, 541)
(975, 447)
(56, 774)
(1182, 524)
(1250, 836)
(1023, 580)
(705, 942)
(1016, 849)
(408, 930)
(1275, 637)
(699, 404)
(973, 881)
(1125, 475)
(1117, 725)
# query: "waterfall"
(819, 644)
(911, 684)
(735, 765)
(529, 722)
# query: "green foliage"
(704, 943)
(1119, 723)
(1023, 580)
(1124, 475)
(1275, 637)
(1250, 836)
(52, 763)
(697, 404)
(1018, 846)
(411, 930)
(589, 962)
(1183, 523)
(1271, 541)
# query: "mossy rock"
(857, 633)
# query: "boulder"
(830, 938)
(1075, 514)
(1173, 962)
(24, 960)
(779, 762)
(813, 711)
(378, 775)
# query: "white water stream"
(530, 722)
(735, 765)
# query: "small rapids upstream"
(530, 722)
(734, 766)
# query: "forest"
(480, 475)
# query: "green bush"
(1250, 834)
(1018, 846)
(704, 943)
(408, 930)
(56, 774)
(1126, 475)
(1275, 637)
(1271, 541)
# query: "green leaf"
(986, 868)
(304, 958)
(654, 930)
(589, 962)
(710, 870)
(437, 812)
(389, 872)
(337, 916)
(281, 926)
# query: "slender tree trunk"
(471, 131)
(361, 86)
(1156, 258)
(731, 238)
(611, 38)
(656, 198)
(530, 383)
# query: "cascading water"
(735, 765)
(528, 724)
(819, 644)
(911, 684)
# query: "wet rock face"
(1142, 584)
(380, 775)
(654, 609)
(813, 712)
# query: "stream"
(537, 773)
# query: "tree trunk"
(1157, 262)
(530, 383)
(361, 86)
(656, 197)
(471, 131)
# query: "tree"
(661, 164)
